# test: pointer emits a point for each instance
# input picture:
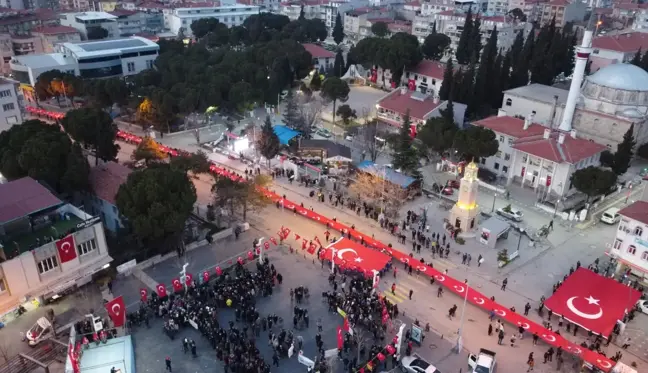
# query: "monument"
(463, 214)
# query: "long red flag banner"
(458, 287)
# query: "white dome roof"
(622, 76)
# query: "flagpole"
(260, 250)
(459, 344)
(333, 251)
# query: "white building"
(538, 157)
(640, 22)
(610, 101)
(617, 48)
(426, 77)
(10, 103)
(48, 246)
(228, 13)
(630, 246)
(437, 6)
(95, 59)
(322, 58)
(87, 20)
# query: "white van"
(611, 216)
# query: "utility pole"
(459, 345)
(260, 249)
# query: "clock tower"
(465, 210)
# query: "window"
(644, 255)
(507, 156)
(510, 141)
(638, 231)
(5, 93)
(496, 166)
(149, 64)
(632, 249)
(505, 169)
(617, 244)
(130, 66)
(87, 247)
(501, 139)
(47, 265)
(498, 154)
(3, 286)
(483, 160)
(8, 107)
(509, 102)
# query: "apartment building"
(359, 18)
(41, 39)
(11, 104)
(451, 23)
(47, 246)
(630, 247)
(563, 11)
(292, 9)
(87, 20)
(133, 22)
(22, 21)
(616, 48)
(49, 36)
(228, 12)
(640, 22)
(436, 6)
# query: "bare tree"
(310, 113)
(5, 353)
(370, 141)
(361, 337)
(378, 192)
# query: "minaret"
(582, 55)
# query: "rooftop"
(23, 197)
(108, 47)
(107, 178)
(419, 105)
(123, 12)
(93, 16)
(628, 42)
(55, 30)
(510, 126)
(116, 352)
(637, 210)
(622, 76)
(540, 93)
(16, 244)
(572, 150)
(332, 149)
(36, 61)
(386, 173)
(432, 69)
(318, 52)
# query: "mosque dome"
(621, 84)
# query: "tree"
(96, 33)
(203, 26)
(435, 46)
(54, 84)
(335, 89)
(157, 202)
(77, 171)
(624, 153)
(401, 51)
(338, 65)
(369, 132)
(518, 14)
(593, 181)
(302, 15)
(520, 67)
(246, 195)
(95, 129)
(269, 142)
(197, 162)
(464, 51)
(607, 159)
(485, 79)
(338, 30)
(446, 85)
(380, 29)
(310, 114)
(636, 59)
(149, 151)
(438, 134)
(377, 192)
(346, 113)
(405, 157)
(642, 151)
(476, 142)
(316, 82)
(291, 115)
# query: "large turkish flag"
(349, 254)
(117, 311)
(66, 248)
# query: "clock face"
(464, 188)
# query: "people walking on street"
(500, 337)
(490, 329)
(168, 364)
(527, 307)
(626, 344)
(530, 363)
(504, 283)
(411, 292)
(393, 288)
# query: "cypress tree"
(516, 47)
(302, 14)
(520, 72)
(636, 60)
(504, 79)
(468, 88)
(464, 52)
(434, 30)
(338, 65)
(448, 113)
(484, 79)
(446, 85)
(624, 152)
(644, 61)
(338, 30)
(475, 38)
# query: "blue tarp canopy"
(284, 133)
(389, 174)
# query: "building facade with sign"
(47, 247)
(630, 246)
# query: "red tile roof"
(432, 69)
(318, 52)
(400, 103)
(123, 12)
(629, 42)
(413, 4)
(637, 211)
(23, 197)
(510, 126)
(399, 27)
(106, 179)
(572, 150)
(55, 30)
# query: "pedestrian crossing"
(419, 283)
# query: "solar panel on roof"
(113, 44)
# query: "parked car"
(643, 305)
(324, 133)
(611, 216)
(414, 364)
(448, 191)
(510, 213)
(486, 176)
(453, 184)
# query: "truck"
(484, 362)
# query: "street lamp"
(333, 250)
(494, 197)
(555, 208)
(183, 275)
(520, 232)
(260, 250)
(459, 344)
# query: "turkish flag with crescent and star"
(177, 285)
(340, 338)
(143, 295)
(117, 311)
(161, 290)
(205, 276)
(347, 253)
(592, 301)
(188, 279)
(66, 248)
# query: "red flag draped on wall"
(66, 249)
(117, 311)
